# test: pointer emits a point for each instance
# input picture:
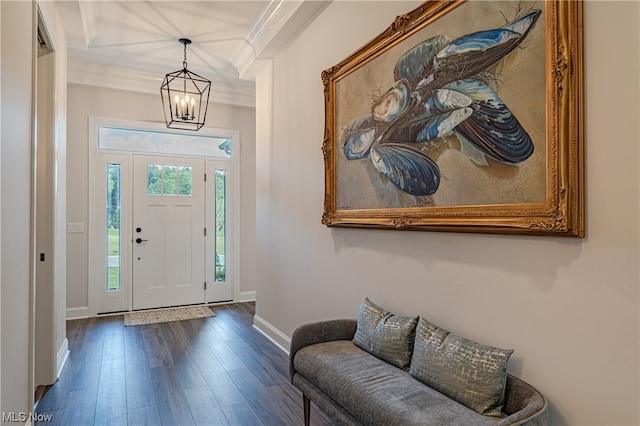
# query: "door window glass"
(113, 226)
(221, 225)
(169, 180)
(185, 180)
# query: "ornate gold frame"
(561, 214)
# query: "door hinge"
(205, 285)
(205, 177)
(205, 231)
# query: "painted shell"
(358, 137)
(473, 53)
(435, 95)
(492, 128)
(392, 103)
(409, 169)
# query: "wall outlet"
(75, 227)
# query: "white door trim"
(103, 300)
(93, 227)
(228, 290)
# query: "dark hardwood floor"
(212, 371)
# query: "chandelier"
(185, 96)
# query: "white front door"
(168, 231)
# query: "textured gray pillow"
(472, 374)
(384, 335)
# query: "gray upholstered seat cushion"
(375, 392)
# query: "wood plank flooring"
(211, 371)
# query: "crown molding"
(80, 20)
(278, 25)
(89, 18)
(86, 74)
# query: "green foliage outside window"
(113, 226)
(169, 180)
(220, 206)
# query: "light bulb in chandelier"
(185, 108)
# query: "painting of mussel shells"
(448, 121)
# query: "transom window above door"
(113, 138)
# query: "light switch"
(75, 227)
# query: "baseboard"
(78, 312)
(276, 336)
(81, 312)
(61, 359)
(246, 296)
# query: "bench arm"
(319, 332)
(524, 405)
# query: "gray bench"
(355, 387)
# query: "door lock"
(139, 240)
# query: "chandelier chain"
(184, 62)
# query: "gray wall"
(569, 307)
(91, 101)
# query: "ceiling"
(137, 41)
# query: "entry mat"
(167, 315)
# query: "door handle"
(139, 240)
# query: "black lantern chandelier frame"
(185, 97)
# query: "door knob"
(139, 240)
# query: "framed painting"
(461, 116)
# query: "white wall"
(16, 139)
(45, 365)
(90, 101)
(17, 118)
(60, 173)
(1, 117)
(569, 307)
(50, 314)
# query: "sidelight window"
(220, 224)
(114, 200)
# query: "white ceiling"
(110, 41)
